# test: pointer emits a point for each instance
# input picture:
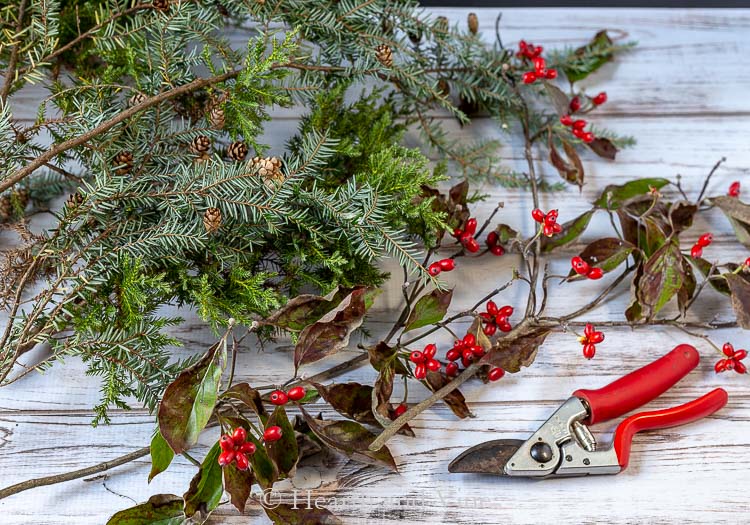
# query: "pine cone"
(441, 24)
(161, 5)
(200, 145)
(270, 169)
(443, 87)
(75, 200)
(237, 150)
(216, 116)
(384, 55)
(136, 99)
(212, 219)
(6, 208)
(124, 160)
(473, 22)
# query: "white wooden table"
(683, 94)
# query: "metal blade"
(486, 458)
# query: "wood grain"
(683, 94)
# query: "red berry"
(566, 120)
(505, 311)
(728, 349)
(492, 308)
(538, 50)
(497, 250)
(467, 355)
(539, 65)
(489, 329)
(505, 327)
(239, 436)
(420, 372)
(589, 350)
(272, 434)
(242, 462)
(579, 124)
(451, 369)
(596, 337)
(696, 251)
(501, 319)
(472, 245)
(248, 447)
(447, 265)
(477, 350)
(588, 137)
(466, 362)
(433, 365)
(575, 104)
(579, 133)
(496, 374)
(453, 354)
(429, 351)
(720, 365)
(226, 442)
(226, 457)
(551, 74)
(588, 330)
(740, 368)
(278, 397)
(580, 266)
(523, 46)
(529, 77)
(296, 393)
(537, 215)
(458, 232)
(471, 226)
(551, 217)
(704, 240)
(747, 261)
(600, 99)
(399, 410)
(492, 238)
(417, 357)
(470, 339)
(739, 355)
(549, 231)
(595, 273)
(434, 269)
(729, 364)
(734, 189)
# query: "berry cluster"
(734, 189)
(494, 318)
(598, 100)
(492, 243)
(528, 50)
(468, 351)
(425, 360)
(279, 397)
(577, 127)
(548, 220)
(236, 449)
(540, 71)
(589, 340)
(466, 236)
(703, 241)
(733, 360)
(443, 265)
(581, 267)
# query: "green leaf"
(161, 509)
(705, 267)
(429, 309)
(738, 214)
(205, 490)
(661, 279)
(238, 484)
(189, 401)
(615, 195)
(740, 289)
(352, 439)
(512, 353)
(505, 233)
(161, 455)
(587, 59)
(284, 452)
(607, 254)
(301, 515)
(331, 332)
(571, 231)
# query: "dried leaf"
(352, 439)
(205, 490)
(740, 290)
(381, 395)
(331, 332)
(161, 509)
(662, 278)
(303, 310)
(429, 309)
(189, 400)
(455, 399)
(284, 452)
(738, 214)
(615, 195)
(570, 170)
(161, 455)
(516, 351)
(301, 515)
(688, 287)
(681, 216)
(607, 253)
(459, 193)
(604, 148)
(238, 484)
(571, 230)
(352, 400)
(558, 97)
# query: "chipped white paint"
(683, 94)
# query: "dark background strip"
(586, 3)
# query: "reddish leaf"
(455, 399)
(661, 279)
(303, 310)
(681, 216)
(607, 253)
(162, 509)
(249, 396)
(429, 309)
(284, 452)
(352, 400)
(513, 352)
(603, 147)
(688, 287)
(571, 169)
(740, 290)
(558, 97)
(381, 395)
(301, 515)
(738, 214)
(238, 484)
(331, 332)
(459, 193)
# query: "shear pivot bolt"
(541, 452)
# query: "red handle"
(639, 387)
(669, 417)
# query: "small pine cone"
(124, 160)
(216, 116)
(441, 24)
(384, 55)
(200, 145)
(269, 168)
(237, 150)
(75, 200)
(212, 219)
(6, 208)
(161, 5)
(136, 99)
(473, 22)
(443, 87)
(23, 197)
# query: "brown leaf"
(740, 290)
(607, 253)
(571, 171)
(352, 400)
(331, 332)
(688, 287)
(238, 483)
(681, 216)
(300, 515)
(284, 452)
(515, 351)
(352, 439)
(706, 268)
(604, 148)
(303, 310)
(381, 395)
(459, 193)
(455, 399)
(249, 396)
(558, 97)
(738, 214)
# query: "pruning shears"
(564, 445)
